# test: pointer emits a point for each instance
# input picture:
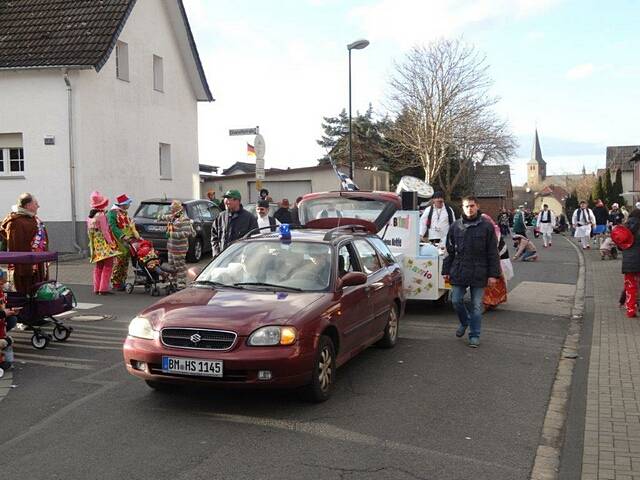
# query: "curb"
(546, 465)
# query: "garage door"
(282, 189)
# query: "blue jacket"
(473, 253)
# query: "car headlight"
(267, 336)
(140, 327)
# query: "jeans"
(474, 318)
(526, 254)
(11, 322)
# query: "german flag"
(251, 152)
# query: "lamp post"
(358, 45)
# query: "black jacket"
(601, 214)
(229, 227)
(283, 215)
(473, 253)
(631, 256)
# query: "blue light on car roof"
(285, 233)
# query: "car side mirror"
(193, 273)
(353, 278)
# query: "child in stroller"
(608, 249)
(148, 269)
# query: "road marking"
(87, 306)
(71, 366)
(54, 358)
(332, 432)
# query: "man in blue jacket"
(472, 263)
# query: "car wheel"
(324, 371)
(160, 386)
(390, 337)
(194, 255)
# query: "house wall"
(492, 205)
(322, 180)
(120, 124)
(554, 205)
(34, 103)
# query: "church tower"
(536, 167)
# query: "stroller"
(42, 302)
(148, 271)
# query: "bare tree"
(440, 95)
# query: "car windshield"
(327, 207)
(153, 210)
(269, 264)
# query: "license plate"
(156, 228)
(192, 366)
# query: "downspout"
(72, 165)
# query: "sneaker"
(474, 342)
(460, 331)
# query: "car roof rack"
(353, 228)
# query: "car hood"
(241, 311)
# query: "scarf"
(23, 211)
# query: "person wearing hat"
(211, 195)
(23, 231)
(436, 220)
(264, 219)
(616, 217)
(234, 223)
(123, 229)
(583, 220)
(102, 245)
(545, 223)
(179, 230)
(283, 215)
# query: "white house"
(97, 96)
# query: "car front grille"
(198, 338)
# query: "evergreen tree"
(571, 203)
(590, 201)
(617, 188)
(607, 187)
(597, 192)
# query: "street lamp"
(358, 45)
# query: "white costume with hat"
(583, 219)
(441, 220)
(545, 222)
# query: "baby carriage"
(42, 302)
(148, 271)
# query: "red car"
(281, 309)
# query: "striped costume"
(179, 229)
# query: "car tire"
(194, 255)
(160, 386)
(390, 337)
(324, 372)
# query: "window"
(122, 61)
(11, 154)
(384, 251)
(165, 161)
(158, 74)
(368, 257)
(345, 263)
(205, 214)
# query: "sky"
(568, 68)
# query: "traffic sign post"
(258, 145)
(244, 131)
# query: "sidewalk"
(612, 423)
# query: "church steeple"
(536, 167)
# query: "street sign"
(259, 168)
(258, 144)
(243, 131)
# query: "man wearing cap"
(436, 220)
(123, 229)
(616, 217)
(232, 224)
(264, 219)
(582, 221)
